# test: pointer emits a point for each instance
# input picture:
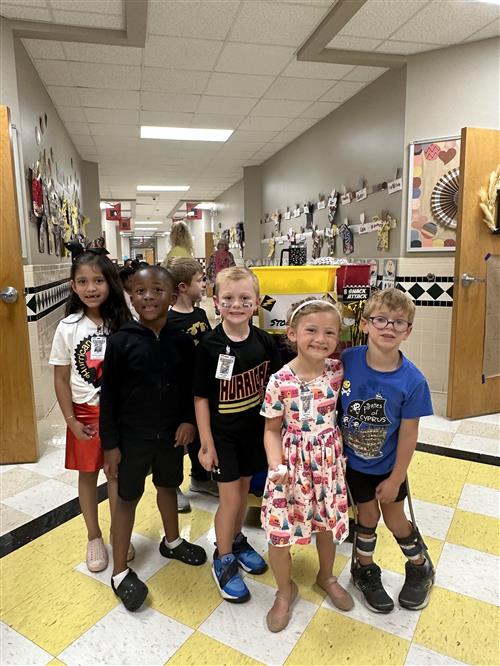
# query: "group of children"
(166, 381)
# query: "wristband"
(67, 418)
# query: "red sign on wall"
(190, 208)
(124, 224)
(115, 212)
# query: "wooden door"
(18, 439)
(468, 393)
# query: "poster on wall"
(433, 179)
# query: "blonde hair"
(180, 235)
(183, 269)
(309, 306)
(235, 274)
(392, 299)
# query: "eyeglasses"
(245, 303)
(399, 325)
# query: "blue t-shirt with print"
(372, 404)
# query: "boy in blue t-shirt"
(382, 398)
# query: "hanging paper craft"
(271, 248)
(317, 239)
(444, 199)
(240, 235)
(309, 215)
(332, 205)
(321, 203)
(346, 198)
(288, 214)
(490, 200)
(361, 194)
(347, 238)
(387, 223)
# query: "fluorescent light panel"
(205, 205)
(162, 188)
(148, 222)
(184, 133)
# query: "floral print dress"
(314, 496)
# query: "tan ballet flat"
(339, 597)
(275, 622)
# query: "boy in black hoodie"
(147, 417)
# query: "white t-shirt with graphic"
(72, 345)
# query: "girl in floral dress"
(305, 490)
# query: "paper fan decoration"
(444, 199)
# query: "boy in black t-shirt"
(184, 316)
(234, 362)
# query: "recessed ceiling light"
(162, 188)
(148, 222)
(184, 133)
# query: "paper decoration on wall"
(309, 211)
(444, 199)
(394, 186)
(386, 222)
(429, 162)
(332, 205)
(346, 198)
(347, 238)
(288, 214)
(361, 194)
(240, 235)
(389, 273)
(296, 211)
(490, 199)
(321, 204)
(317, 243)
(271, 248)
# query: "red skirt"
(85, 455)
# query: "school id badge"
(225, 365)
(306, 404)
(97, 347)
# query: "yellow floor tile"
(26, 573)
(68, 543)
(437, 479)
(460, 627)
(191, 525)
(61, 612)
(201, 650)
(188, 594)
(388, 554)
(484, 475)
(304, 570)
(56, 662)
(103, 513)
(333, 639)
(475, 531)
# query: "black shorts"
(244, 457)
(363, 486)
(138, 457)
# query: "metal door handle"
(8, 294)
(467, 280)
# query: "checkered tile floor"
(54, 611)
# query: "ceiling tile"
(301, 124)
(244, 136)
(320, 109)
(366, 74)
(174, 80)
(154, 101)
(166, 118)
(236, 105)
(63, 95)
(77, 128)
(181, 53)
(239, 85)
(286, 136)
(71, 113)
(280, 108)
(377, 19)
(253, 59)
(82, 140)
(217, 120)
(264, 123)
(32, 3)
(105, 99)
(25, 13)
(44, 49)
(249, 146)
(118, 116)
(211, 19)
(342, 91)
(405, 48)
(353, 43)
(491, 30)
(115, 7)
(447, 22)
(111, 130)
(277, 24)
(54, 72)
(111, 77)
(317, 70)
(102, 53)
(292, 88)
(90, 20)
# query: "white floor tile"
(422, 656)
(438, 423)
(146, 563)
(243, 626)
(480, 499)
(204, 502)
(16, 650)
(120, 637)
(50, 464)
(469, 572)
(39, 499)
(432, 519)
(487, 418)
(400, 622)
(6, 468)
(476, 444)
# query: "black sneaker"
(419, 580)
(368, 580)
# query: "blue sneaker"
(227, 576)
(248, 558)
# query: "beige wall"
(230, 207)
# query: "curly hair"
(180, 235)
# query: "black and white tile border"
(430, 293)
(44, 299)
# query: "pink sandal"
(342, 599)
(275, 622)
(97, 555)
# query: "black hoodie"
(146, 386)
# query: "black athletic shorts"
(363, 486)
(244, 457)
(139, 456)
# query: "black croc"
(132, 591)
(186, 552)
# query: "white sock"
(173, 544)
(119, 577)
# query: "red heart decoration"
(447, 155)
(417, 182)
